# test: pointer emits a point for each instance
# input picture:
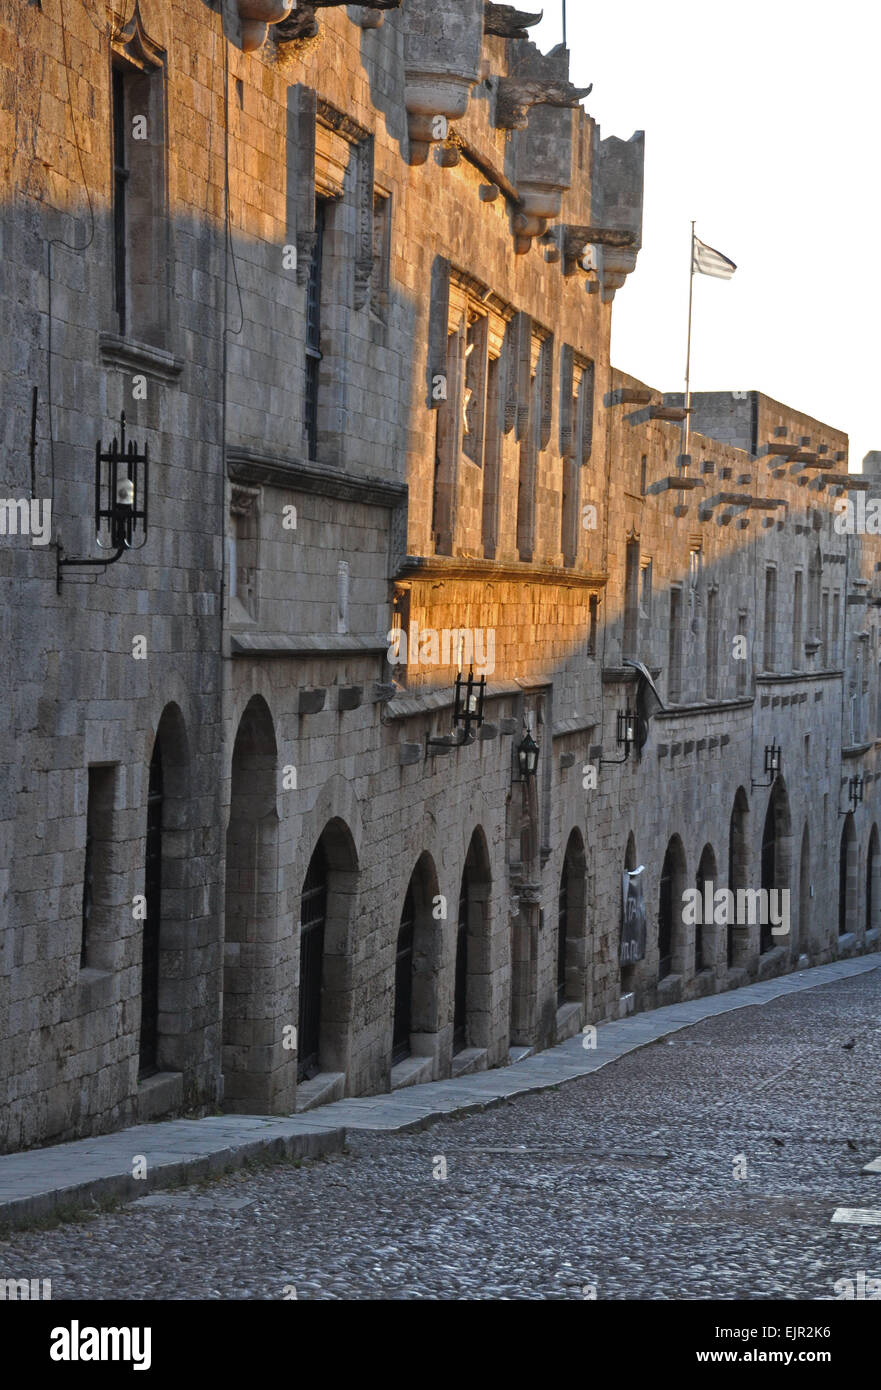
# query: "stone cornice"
(495, 571)
(251, 466)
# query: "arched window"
(313, 916)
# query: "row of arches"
(775, 877)
(295, 942)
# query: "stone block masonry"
(245, 860)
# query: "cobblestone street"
(623, 1183)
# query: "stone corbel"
(508, 23)
(256, 16)
(303, 23)
(577, 240)
(515, 96)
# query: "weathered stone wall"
(475, 467)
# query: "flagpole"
(564, 23)
(687, 430)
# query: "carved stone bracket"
(256, 16)
(508, 22)
(303, 23)
(516, 95)
(576, 240)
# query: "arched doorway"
(873, 880)
(313, 921)
(738, 867)
(571, 952)
(404, 980)
(415, 1023)
(471, 944)
(325, 993)
(670, 907)
(847, 877)
(148, 1049)
(776, 859)
(704, 931)
(252, 918)
(802, 939)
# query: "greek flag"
(706, 261)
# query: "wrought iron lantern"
(625, 734)
(773, 765)
(470, 698)
(527, 755)
(855, 790)
(121, 489)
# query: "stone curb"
(42, 1183)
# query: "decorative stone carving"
(578, 239)
(303, 23)
(256, 16)
(442, 63)
(507, 22)
(515, 96)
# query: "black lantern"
(625, 734)
(121, 474)
(773, 764)
(856, 790)
(470, 696)
(527, 755)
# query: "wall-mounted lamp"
(625, 734)
(527, 755)
(470, 697)
(773, 765)
(855, 790)
(121, 474)
(467, 712)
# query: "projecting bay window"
(140, 223)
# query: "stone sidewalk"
(66, 1177)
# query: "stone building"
(349, 273)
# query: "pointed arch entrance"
(776, 857)
(472, 947)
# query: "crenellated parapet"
(616, 203)
(543, 148)
(442, 53)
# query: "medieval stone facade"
(349, 273)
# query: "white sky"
(762, 123)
